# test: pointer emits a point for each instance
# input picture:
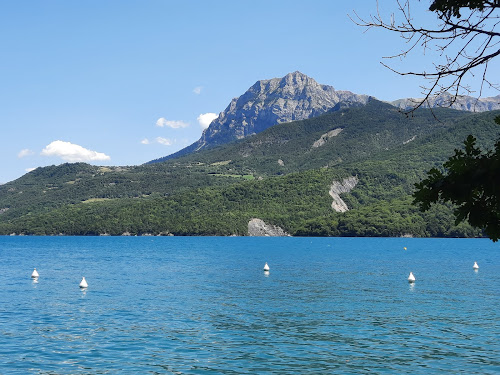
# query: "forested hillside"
(282, 175)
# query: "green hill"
(277, 175)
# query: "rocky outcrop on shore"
(258, 228)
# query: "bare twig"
(475, 35)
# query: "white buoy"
(83, 283)
(266, 267)
(35, 274)
(411, 278)
(475, 266)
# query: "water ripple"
(204, 306)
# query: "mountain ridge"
(267, 103)
(461, 103)
(297, 96)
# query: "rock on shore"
(258, 228)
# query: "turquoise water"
(169, 305)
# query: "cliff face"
(338, 188)
(270, 102)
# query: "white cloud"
(197, 90)
(29, 169)
(164, 141)
(162, 122)
(206, 118)
(159, 140)
(25, 152)
(72, 153)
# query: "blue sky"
(124, 82)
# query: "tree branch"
(477, 31)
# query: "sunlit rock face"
(338, 188)
(274, 101)
(258, 228)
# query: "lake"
(203, 305)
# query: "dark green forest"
(277, 176)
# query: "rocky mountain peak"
(295, 96)
(298, 81)
(269, 102)
(291, 86)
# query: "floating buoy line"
(83, 284)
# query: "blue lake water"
(171, 305)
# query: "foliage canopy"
(471, 181)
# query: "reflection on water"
(201, 305)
